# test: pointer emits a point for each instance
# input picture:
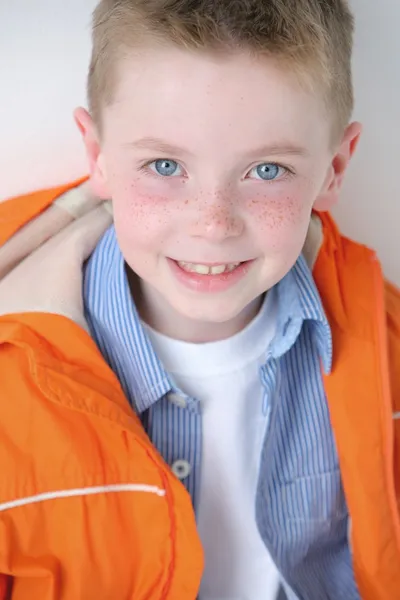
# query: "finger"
(78, 201)
(79, 239)
(93, 226)
(65, 252)
(31, 236)
(57, 266)
(71, 205)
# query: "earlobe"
(329, 195)
(90, 138)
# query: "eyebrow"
(159, 145)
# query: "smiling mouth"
(211, 277)
(203, 269)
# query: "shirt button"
(178, 400)
(181, 469)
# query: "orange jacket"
(75, 459)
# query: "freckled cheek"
(279, 221)
(142, 215)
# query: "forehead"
(235, 99)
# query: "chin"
(197, 310)
(206, 312)
(206, 316)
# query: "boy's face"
(212, 162)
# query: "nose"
(216, 219)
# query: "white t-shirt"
(224, 377)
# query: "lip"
(209, 283)
(210, 264)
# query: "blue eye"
(166, 167)
(268, 171)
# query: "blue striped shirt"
(301, 510)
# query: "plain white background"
(44, 53)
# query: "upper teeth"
(207, 270)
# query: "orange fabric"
(138, 542)
(361, 402)
(60, 394)
(130, 545)
(16, 212)
(393, 320)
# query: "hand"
(41, 266)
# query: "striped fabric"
(300, 506)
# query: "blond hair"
(313, 38)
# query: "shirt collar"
(115, 324)
(298, 301)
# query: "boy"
(258, 349)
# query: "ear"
(338, 167)
(91, 140)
